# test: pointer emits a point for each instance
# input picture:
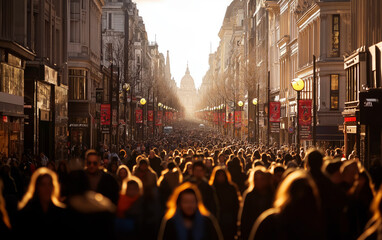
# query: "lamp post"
(240, 104)
(298, 85)
(143, 102)
(126, 88)
(254, 102)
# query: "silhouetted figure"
(295, 214)
(229, 201)
(41, 214)
(256, 199)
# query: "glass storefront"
(10, 136)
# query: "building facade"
(46, 82)
(84, 71)
(363, 112)
(14, 53)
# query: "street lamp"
(255, 102)
(143, 101)
(298, 85)
(240, 103)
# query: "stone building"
(84, 70)
(362, 113)
(46, 81)
(15, 51)
(187, 94)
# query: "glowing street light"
(143, 101)
(240, 103)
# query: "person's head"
(259, 179)
(43, 187)
(221, 158)
(123, 172)
(143, 164)
(220, 175)
(186, 198)
(92, 160)
(332, 168)
(297, 191)
(209, 162)
(314, 160)
(152, 154)
(199, 170)
(278, 172)
(132, 187)
(349, 172)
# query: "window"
(334, 92)
(110, 19)
(75, 21)
(109, 52)
(336, 36)
(77, 84)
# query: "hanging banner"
(150, 115)
(158, 119)
(216, 117)
(274, 112)
(105, 114)
(223, 117)
(237, 119)
(305, 119)
(305, 112)
(138, 116)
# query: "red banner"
(138, 116)
(158, 119)
(216, 117)
(105, 114)
(237, 118)
(150, 115)
(305, 112)
(223, 117)
(274, 111)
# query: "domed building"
(187, 93)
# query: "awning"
(12, 114)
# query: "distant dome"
(187, 82)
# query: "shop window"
(77, 84)
(334, 92)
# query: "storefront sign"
(138, 116)
(274, 112)
(105, 114)
(50, 75)
(351, 129)
(84, 125)
(275, 127)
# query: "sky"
(187, 28)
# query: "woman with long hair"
(295, 213)
(187, 218)
(256, 199)
(129, 221)
(229, 201)
(41, 213)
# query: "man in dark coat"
(100, 181)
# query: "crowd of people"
(192, 184)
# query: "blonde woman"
(41, 214)
(187, 217)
